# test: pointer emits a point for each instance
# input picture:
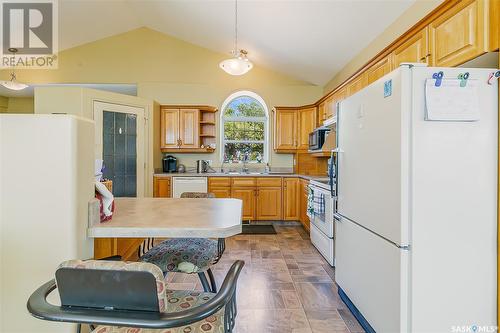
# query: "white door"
(372, 163)
(119, 140)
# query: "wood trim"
(204, 108)
(187, 150)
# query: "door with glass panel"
(120, 144)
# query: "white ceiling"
(306, 39)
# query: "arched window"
(244, 128)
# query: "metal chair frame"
(225, 298)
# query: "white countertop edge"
(102, 231)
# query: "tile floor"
(285, 287)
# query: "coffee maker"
(169, 163)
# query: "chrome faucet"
(245, 160)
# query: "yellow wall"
(16, 104)
(409, 18)
(171, 71)
(79, 101)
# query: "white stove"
(322, 224)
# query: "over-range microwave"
(317, 138)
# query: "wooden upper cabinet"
(357, 84)
(189, 128)
(268, 203)
(494, 24)
(169, 128)
(307, 123)
(330, 106)
(415, 49)
(459, 34)
(291, 199)
(285, 129)
(322, 112)
(378, 70)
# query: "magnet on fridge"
(463, 78)
(438, 77)
(493, 76)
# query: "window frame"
(265, 120)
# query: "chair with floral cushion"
(123, 297)
(201, 253)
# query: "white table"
(138, 218)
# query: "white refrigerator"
(46, 183)
(417, 202)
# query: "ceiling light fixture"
(239, 64)
(12, 84)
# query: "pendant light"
(239, 63)
(12, 84)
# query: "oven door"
(323, 220)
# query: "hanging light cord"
(235, 28)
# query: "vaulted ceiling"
(307, 39)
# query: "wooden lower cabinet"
(303, 191)
(220, 192)
(268, 203)
(161, 187)
(248, 196)
(291, 199)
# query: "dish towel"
(107, 200)
(310, 203)
(319, 203)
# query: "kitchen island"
(138, 218)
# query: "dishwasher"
(188, 184)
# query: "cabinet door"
(269, 203)
(247, 195)
(330, 107)
(307, 123)
(220, 192)
(357, 84)
(285, 129)
(161, 187)
(322, 112)
(415, 49)
(378, 70)
(459, 34)
(304, 219)
(291, 199)
(189, 128)
(169, 123)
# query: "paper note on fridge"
(450, 102)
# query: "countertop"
(220, 174)
(172, 218)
